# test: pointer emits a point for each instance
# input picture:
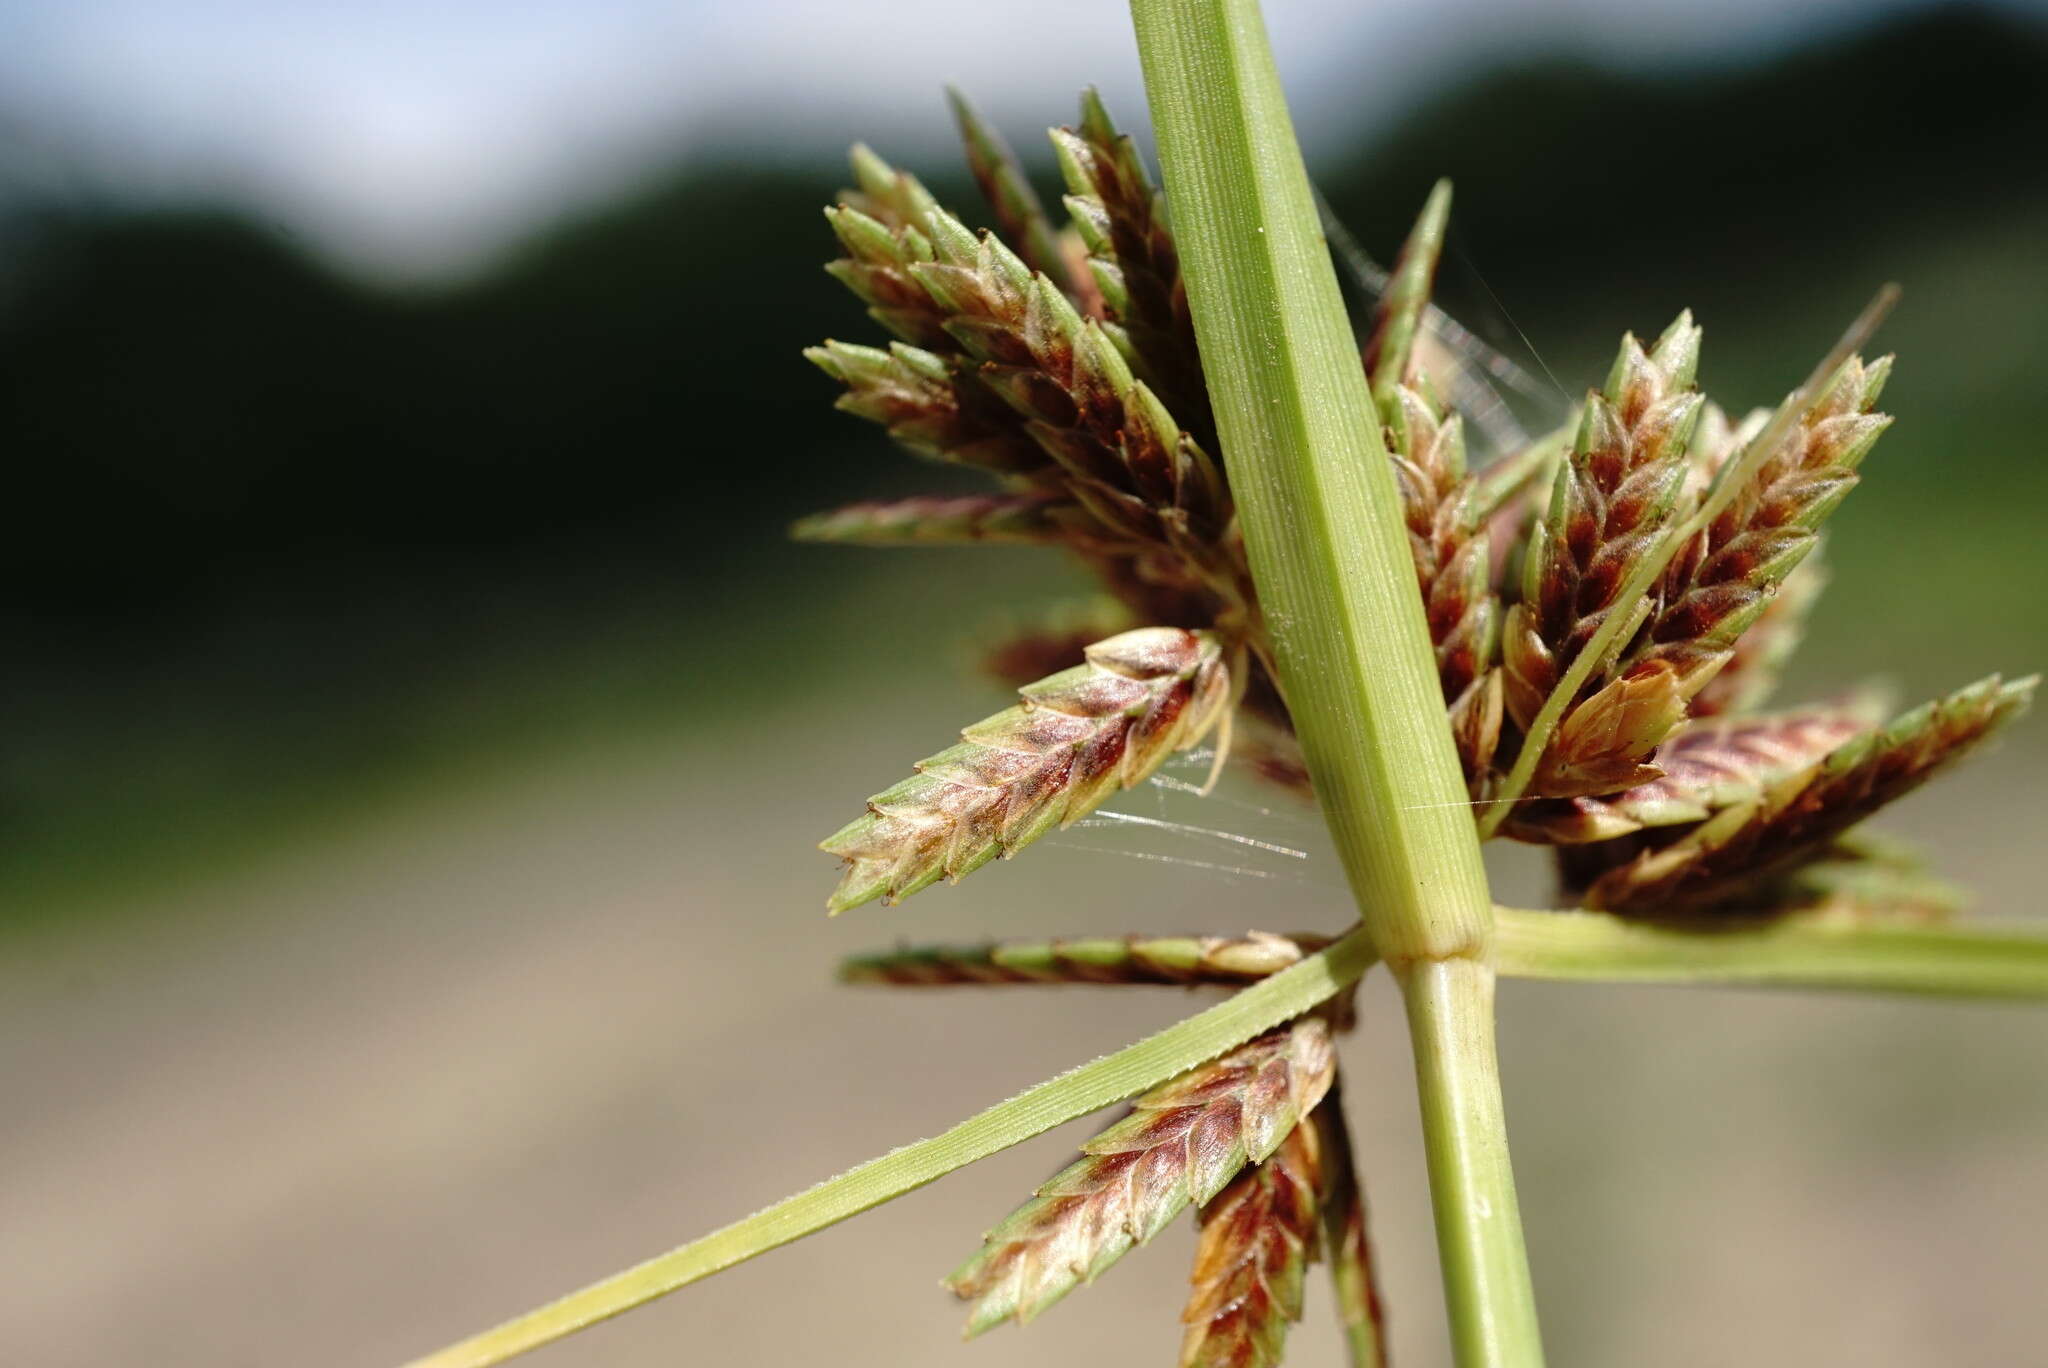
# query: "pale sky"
(416, 136)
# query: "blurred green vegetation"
(282, 542)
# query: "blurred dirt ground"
(364, 1097)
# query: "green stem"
(1946, 959)
(1471, 1186)
(1315, 492)
(1089, 1088)
(1329, 553)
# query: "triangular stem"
(1324, 533)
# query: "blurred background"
(416, 728)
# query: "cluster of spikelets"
(1609, 606)
(1255, 1140)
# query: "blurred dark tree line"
(1732, 179)
(219, 451)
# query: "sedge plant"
(1573, 644)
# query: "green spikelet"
(1121, 218)
(1612, 500)
(1074, 739)
(1720, 583)
(1738, 852)
(886, 193)
(1013, 519)
(930, 408)
(1019, 215)
(1177, 960)
(1389, 353)
(883, 227)
(1182, 1142)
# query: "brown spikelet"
(931, 407)
(1449, 545)
(1475, 718)
(1441, 501)
(1258, 1237)
(1613, 498)
(1176, 960)
(1125, 458)
(1722, 580)
(1743, 848)
(1761, 653)
(1855, 879)
(1074, 739)
(1446, 541)
(1180, 1144)
(1122, 220)
(998, 368)
(1345, 1240)
(1014, 519)
(1604, 744)
(1706, 767)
